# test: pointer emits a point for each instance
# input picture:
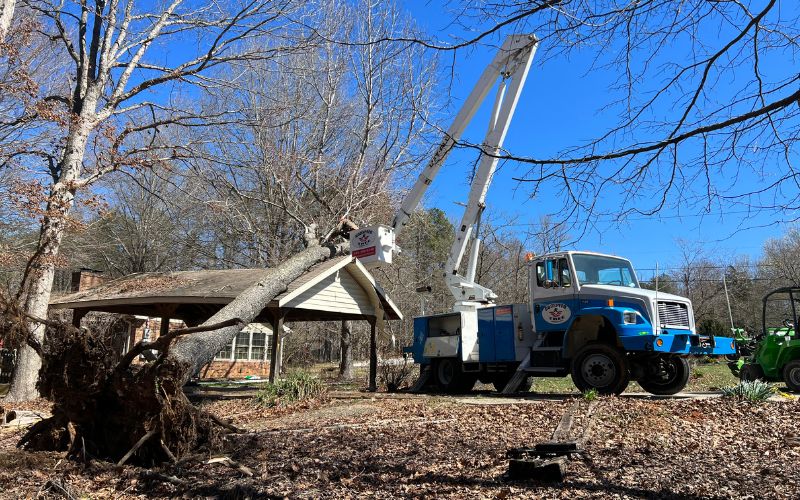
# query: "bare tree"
(113, 98)
(704, 95)
(782, 259)
(151, 224)
(320, 135)
(346, 346)
(696, 105)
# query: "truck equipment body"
(587, 316)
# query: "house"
(334, 290)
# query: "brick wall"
(235, 369)
(217, 368)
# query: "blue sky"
(559, 108)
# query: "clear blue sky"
(558, 109)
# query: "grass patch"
(705, 377)
(297, 386)
(754, 391)
(710, 377)
(590, 395)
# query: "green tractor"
(775, 354)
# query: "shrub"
(590, 394)
(296, 386)
(394, 376)
(753, 391)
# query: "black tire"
(751, 372)
(601, 367)
(791, 375)
(501, 379)
(450, 377)
(676, 379)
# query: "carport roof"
(195, 296)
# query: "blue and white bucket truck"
(587, 315)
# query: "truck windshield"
(599, 270)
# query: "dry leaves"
(436, 446)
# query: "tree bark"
(38, 281)
(6, 15)
(346, 343)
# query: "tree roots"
(107, 410)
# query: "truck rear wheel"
(600, 367)
(451, 378)
(791, 375)
(674, 378)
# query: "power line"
(702, 266)
(650, 218)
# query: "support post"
(164, 329)
(373, 356)
(275, 356)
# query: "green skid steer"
(775, 354)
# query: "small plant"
(753, 391)
(590, 394)
(296, 386)
(394, 375)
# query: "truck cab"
(592, 317)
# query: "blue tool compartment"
(420, 336)
(496, 334)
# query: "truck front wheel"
(451, 378)
(791, 375)
(671, 378)
(601, 367)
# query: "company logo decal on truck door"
(556, 313)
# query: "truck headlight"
(629, 317)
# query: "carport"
(335, 290)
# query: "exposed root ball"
(102, 409)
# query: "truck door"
(553, 298)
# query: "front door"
(553, 296)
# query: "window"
(553, 273)
(564, 277)
(540, 276)
(241, 349)
(600, 270)
(247, 346)
(226, 352)
(258, 345)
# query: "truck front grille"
(673, 314)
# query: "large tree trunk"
(197, 350)
(346, 342)
(38, 282)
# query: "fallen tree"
(106, 407)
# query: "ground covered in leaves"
(401, 446)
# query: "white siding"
(343, 295)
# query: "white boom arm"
(511, 64)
